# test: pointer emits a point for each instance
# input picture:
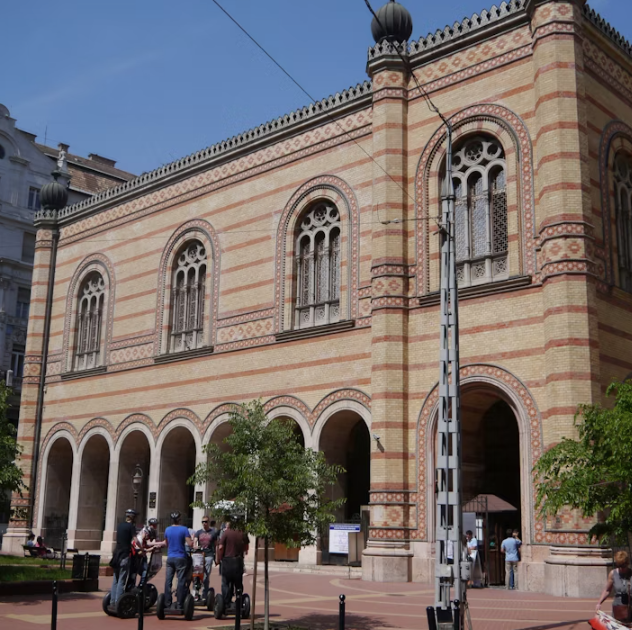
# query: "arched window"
(89, 322)
(187, 298)
(478, 169)
(623, 208)
(318, 267)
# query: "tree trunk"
(254, 588)
(266, 589)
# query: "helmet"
(152, 522)
(175, 516)
(131, 512)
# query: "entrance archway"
(345, 440)
(135, 451)
(93, 492)
(57, 494)
(491, 472)
(177, 464)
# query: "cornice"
(338, 105)
(608, 31)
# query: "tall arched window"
(478, 170)
(187, 298)
(623, 208)
(89, 322)
(318, 267)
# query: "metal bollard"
(53, 616)
(341, 614)
(456, 606)
(140, 599)
(238, 599)
(432, 619)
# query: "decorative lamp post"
(137, 481)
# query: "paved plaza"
(311, 601)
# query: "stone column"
(22, 506)
(108, 540)
(565, 237)
(73, 505)
(388, 555)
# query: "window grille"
(318, 267)
(188, 297)
(623, 207)
(481, 236)
(89, 322)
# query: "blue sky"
(147, 82)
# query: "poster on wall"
(339, 537)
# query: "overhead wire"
(334, 120)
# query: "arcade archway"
(93, 492)
(135, 451)
(57, 493)
(177, 464)
(345, 440)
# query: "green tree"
(593, 473)
(10, 472)
(275, 483)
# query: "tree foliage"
(275, 483)
(593, 473)
(10, 472)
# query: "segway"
(127, 606)
(188, 607)
(197, 575)
(222, 609)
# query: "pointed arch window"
(318, 267)
(623, 208)
(188, 298)
(482, 242)
(90, 322)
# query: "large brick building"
(298, 263)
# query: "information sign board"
(339, 537)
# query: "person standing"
(122, 558)
(143, 544)
(475, 559)
(177, 538)
(511, 548)
(232, 547)
(206, 539)
(619, 579)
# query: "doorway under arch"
(135, 451)
(491, 472)
(57, 494)
(177, 464)
(93, 492)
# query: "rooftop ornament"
(54, 196)
(393, 24)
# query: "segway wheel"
(151, 596)
(210, 599)
(160, 606)
(126, 607)
(189, 607)
(106, 605)
(218, 609)
(245, 606)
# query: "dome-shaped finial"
(54, 196)
(394, 23)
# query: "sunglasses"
(204, 521)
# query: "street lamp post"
(137, 480)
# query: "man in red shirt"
(232, 547)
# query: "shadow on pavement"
(34, 600)
(326, 622)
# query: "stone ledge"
(184, 356)
(71, 376)
(315, 331)
(480, 290)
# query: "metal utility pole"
(451, 573)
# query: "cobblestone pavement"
(311, 601)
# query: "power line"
(311, 98)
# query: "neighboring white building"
(25, 167)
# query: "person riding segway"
(205, 540)
(144, 544)
(178, 562)
(123, 564)
(232, 547)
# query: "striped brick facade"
(545, 78)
